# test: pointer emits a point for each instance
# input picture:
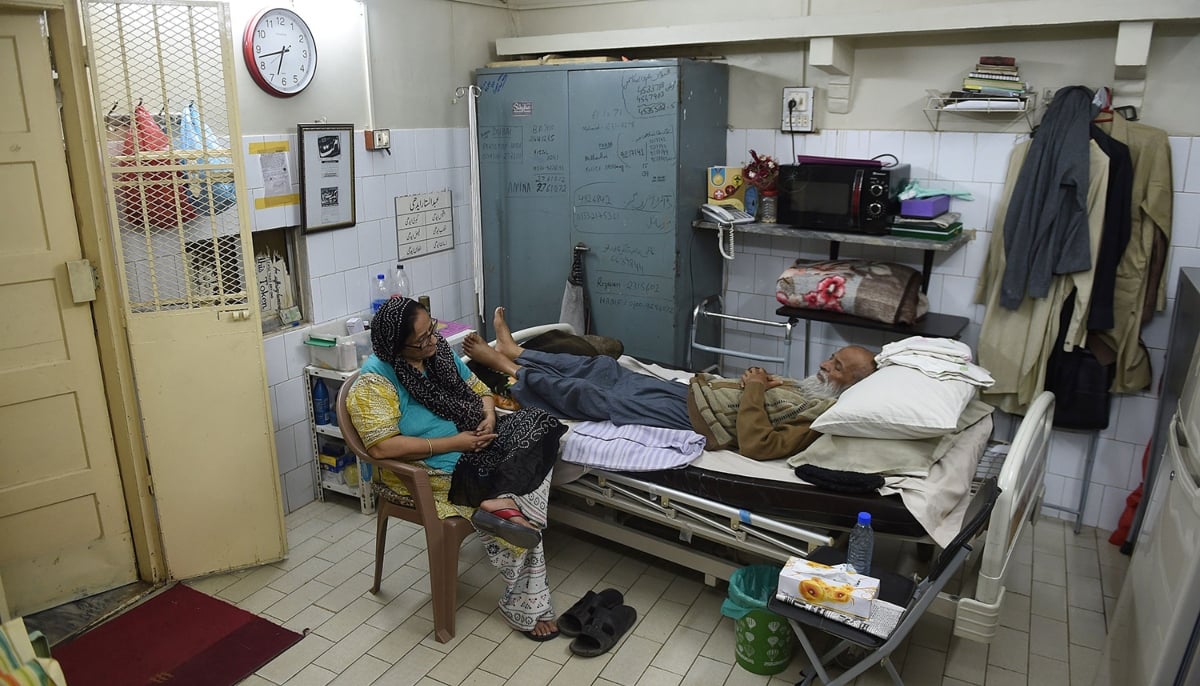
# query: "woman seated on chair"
(415, 401)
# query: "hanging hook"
(163, 111)
(113, 108)
(139, 102)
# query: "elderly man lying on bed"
(739, 415)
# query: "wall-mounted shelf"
(939, 103)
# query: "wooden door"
(63, 522)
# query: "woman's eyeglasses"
(433, 327)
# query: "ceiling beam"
(974, 17)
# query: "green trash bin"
(762, 639)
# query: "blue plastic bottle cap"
(864, 518)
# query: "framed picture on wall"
(326, 176)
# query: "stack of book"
(994, 76)
(941, 228)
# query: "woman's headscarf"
(440, 389)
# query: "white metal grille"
(160, 84)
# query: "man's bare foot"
(506, 504)
(504, 340)
(477, 349)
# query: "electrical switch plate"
(797, 113)
(379, 139)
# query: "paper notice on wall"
(276, 179)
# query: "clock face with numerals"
(279, 51)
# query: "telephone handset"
(725, 214)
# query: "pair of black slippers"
(597, 622)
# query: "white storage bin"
(349, 352)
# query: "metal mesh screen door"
(160, 83)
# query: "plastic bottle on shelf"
(320, 400)
(400, 285)
(862, 544)
(381, 290)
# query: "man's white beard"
(816, 386)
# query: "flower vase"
(768, 207)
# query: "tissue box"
(801, 581)
(726, 187)
(925, 208)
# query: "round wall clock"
(279, 51)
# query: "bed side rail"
(1022, 480)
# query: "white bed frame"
(596, 501)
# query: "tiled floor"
(1052, 629)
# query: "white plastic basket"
(348, 354)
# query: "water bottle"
(862, 543)
(320, 396)
(381, 290)
(400, 285)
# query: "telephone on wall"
(725, 214)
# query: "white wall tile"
(460, 147)
(823, 143)
(285, 450)
(887, 143)
(761, 141)
(302, 440)
(1177, 258)
(955, 157)
(318, 306)
(404, 152)
(274, 408)
(321, 260)
(358, 291)
(1185, 220)
(368, 237)
(291, 213)
(1068, 450)
(299, 488)
(252, 170)
(276, 358)
(1180, 147)
(443, 148)
(333, 296)
(345, 249)
(975, 211)
(295, 352)
(787, 147)
(958, 295)
(268, 217)
(735, 147)
(423, 149)
(992, 151)
(1191, 180)
(418, 182)
(364, 160)
(291, 400)
(1055, 487)
(855, 144)
(919, 152)
(1112, 504)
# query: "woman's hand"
(760, 375)
(488, 425)
(473, 441)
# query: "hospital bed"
(725, 502)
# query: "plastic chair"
(915, 598)
(443, 537)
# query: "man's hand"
(761, 376)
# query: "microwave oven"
(840, 195)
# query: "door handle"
(83, 279)
(234, 315)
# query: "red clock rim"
(248, 53)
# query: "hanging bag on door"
(150, 198)
(208, 197)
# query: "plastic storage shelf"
(363, 491)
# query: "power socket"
(797, 112)
(379, 139)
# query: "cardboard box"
(726, 187)
(828, 587)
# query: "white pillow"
(897, 402)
